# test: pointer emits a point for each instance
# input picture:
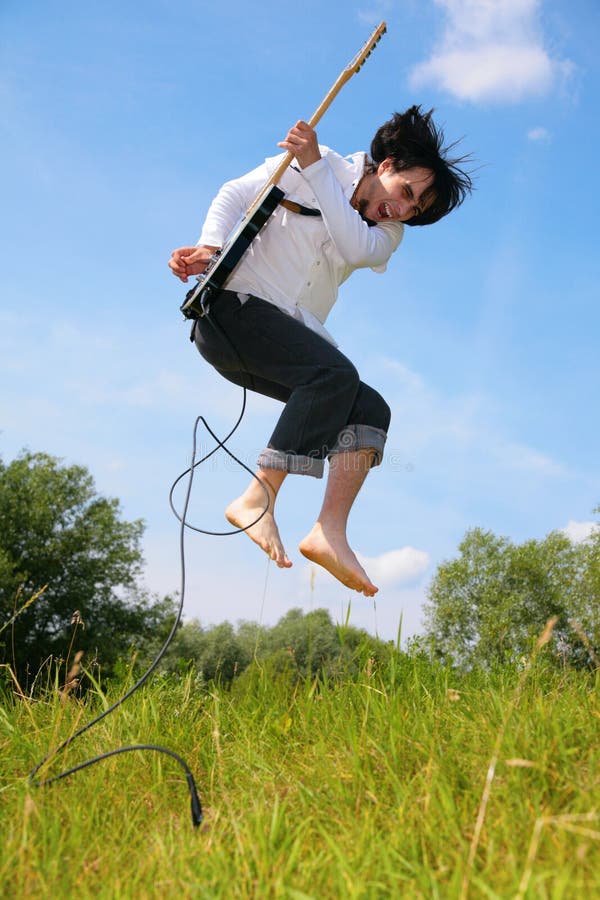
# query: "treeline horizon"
(70, 583)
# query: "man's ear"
(386, 166)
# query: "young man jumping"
(345, 214)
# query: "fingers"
(303, 127)
(299, 134)
(186, 261)
(301, 140)
(177, 263)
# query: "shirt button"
(318, 262)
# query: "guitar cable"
(206, 296)
(195, 804)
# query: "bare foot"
(331, 550)
(265, 533)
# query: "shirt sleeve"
(230, 205)
(360, 245)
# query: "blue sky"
(120, 121)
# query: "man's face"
(387, 195)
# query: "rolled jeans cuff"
(360, 437)
(293, 463)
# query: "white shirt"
(298, 262)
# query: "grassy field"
(406, 781)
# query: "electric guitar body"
(224, 261)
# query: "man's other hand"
(187, 261)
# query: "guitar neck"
(316, 117)
(342, 79)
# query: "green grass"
(358, 788)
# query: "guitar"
(223, 261)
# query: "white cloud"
(426, 419)
(538, 134)
(389, 569)
(490, 50)
(395, 566)
(579, 531)
(519, 456)
(162, 388)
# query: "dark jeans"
(328, 409)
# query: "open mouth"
(384, 211)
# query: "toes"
(279, 556)
(275, 555)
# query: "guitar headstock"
(367, 49)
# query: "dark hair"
(411, 139)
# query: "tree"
(299, 644)
(490, 603)
(216, 653)
(56, 531)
